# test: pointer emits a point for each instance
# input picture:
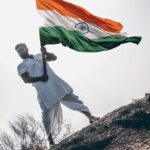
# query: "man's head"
(22, 50)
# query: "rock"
(126, 128)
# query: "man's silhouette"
(51, 90)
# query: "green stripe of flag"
(79, 42)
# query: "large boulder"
(126, 128)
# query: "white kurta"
(49, 92)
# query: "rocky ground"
(126, 128)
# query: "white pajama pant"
(53, 117)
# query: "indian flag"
(75, 27)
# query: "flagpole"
(44, 63)
(43, 58)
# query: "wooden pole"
(44, 63)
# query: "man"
(51, 90)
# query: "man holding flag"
(51, 89)
(75, 27)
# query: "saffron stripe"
(74, 11)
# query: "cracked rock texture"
(126, 128)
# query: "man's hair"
(20, 44)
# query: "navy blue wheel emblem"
(82, 27)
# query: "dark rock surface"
(126, 128)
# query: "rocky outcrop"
(126, 128)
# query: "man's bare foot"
(94, 119)
(50, 139)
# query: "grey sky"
(104, 80)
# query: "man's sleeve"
(21, 69)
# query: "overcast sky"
(104, 81)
